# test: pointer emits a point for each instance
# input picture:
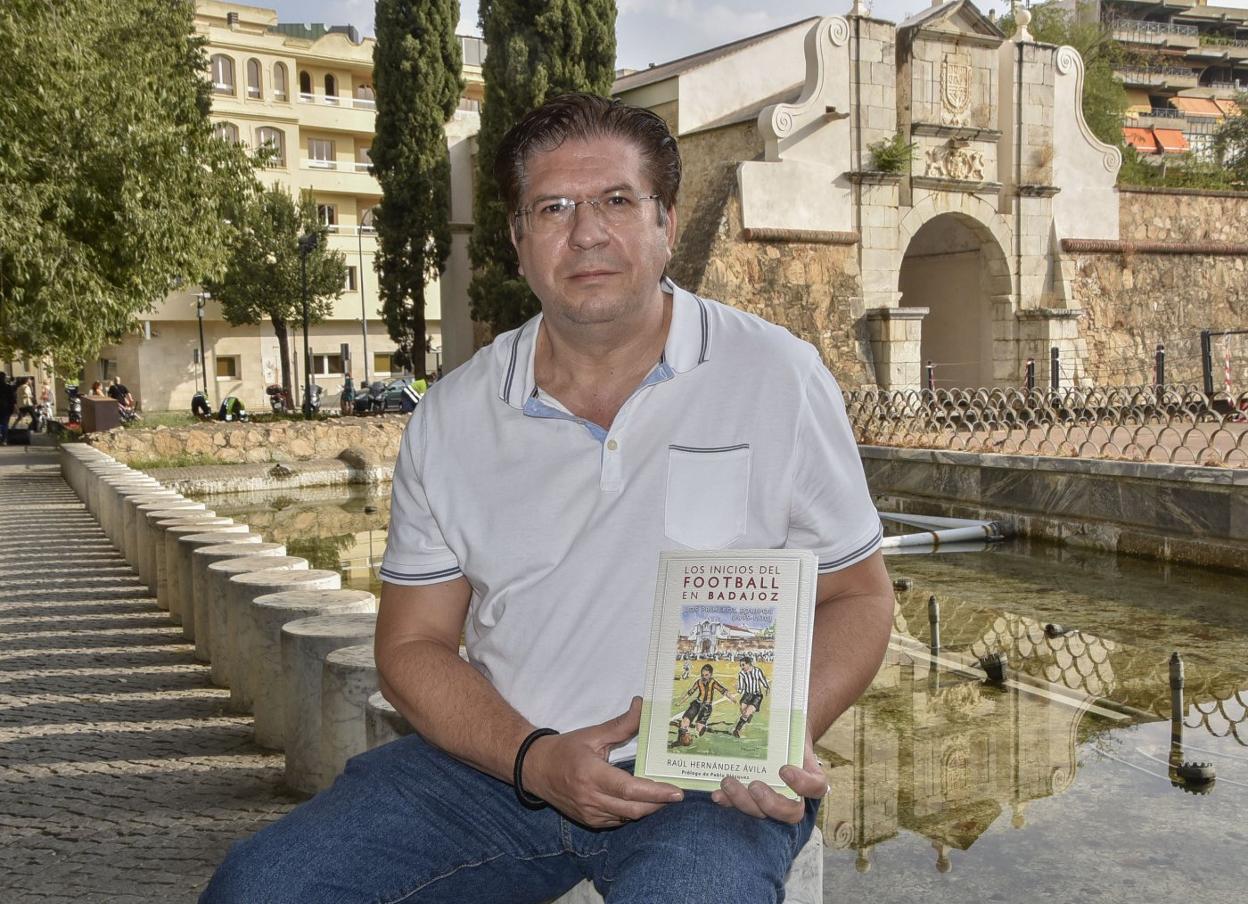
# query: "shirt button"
(612, 445)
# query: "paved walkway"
(121, 778)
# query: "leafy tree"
(113, 183)
(1104, 98)
(1231, 143)
(537, 49)
(416, 71)
(262, 273)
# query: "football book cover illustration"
(728, 667)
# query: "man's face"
(707, 672)
(591, 273)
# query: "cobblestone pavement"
(122, 779)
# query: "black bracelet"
(532, 801)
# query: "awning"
(1141, 139)
(1228, 107)
(1171, 141)
(1196, 106)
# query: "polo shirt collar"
(688, 345)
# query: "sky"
(647, 31)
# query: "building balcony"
(1173, 77)
(338, 176)
(336, 114)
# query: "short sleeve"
(416, 552)
(832, 513)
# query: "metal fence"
(1174, 424)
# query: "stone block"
(171, 533)
(247, 633)
(305, 644)
(220, 613)
(197, 522)
(348, 679)
(209, 610)
(271, 612)
(144, 526)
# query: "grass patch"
(186, 460)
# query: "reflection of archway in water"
(953, 266)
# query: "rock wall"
(257, 442)
(1135, 298)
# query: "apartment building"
(306, 92)
(1187, 61)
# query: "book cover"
(728, 667)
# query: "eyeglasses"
(615, 208)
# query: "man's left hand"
(759, 800)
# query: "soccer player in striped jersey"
(751, 683)
(699, 711)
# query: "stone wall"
(1133, 299)
(257, 442)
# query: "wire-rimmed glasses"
(621, 207)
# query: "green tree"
(1231, 143)
(416, 71)
(537, 49)
(1104, 98)
(262, 273)
(114, 185)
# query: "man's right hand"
(571, 773)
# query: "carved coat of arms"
(955, 80)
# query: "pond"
(1059, 784)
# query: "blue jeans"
(406, 822)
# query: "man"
(698, 713)
(535, 488)
(751, 684)
(8, 399)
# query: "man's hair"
(582, 117)
(744, 659)
(709, 668)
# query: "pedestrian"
(535, 488)
(346, 403)
(7, 400)
(25, 393)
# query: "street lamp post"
(201, 299)
(307, 244)
(359, 238)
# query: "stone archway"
(955, 267)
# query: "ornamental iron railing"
(1173, 424)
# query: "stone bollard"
(347, 681)
(83, 474)
(245, 630)
(95, 476)
(129, 512)
(168, 594)
(184, 586)
(220, 615)
(305, 644)
(803, 885)
(146, 516)
(208, 610)
(112, 503)
(271, 612)
(382, 722)
(74, 460)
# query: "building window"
(281, 81)
(383, 363)
(327, 215)
(363, 160)
(253, 79)
(222, 74)
(321, 153)
(331, 89)
(327, 365)
(305, 87)
(228, 367)
(351, 279)
(226, 131)
(365, 98)
(275, 141)
(366, 220)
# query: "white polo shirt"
(737, 439)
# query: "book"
(728, 669)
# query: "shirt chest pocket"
(707, 495)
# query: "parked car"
(392, 395)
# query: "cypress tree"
(416, 75)
(538, 49)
